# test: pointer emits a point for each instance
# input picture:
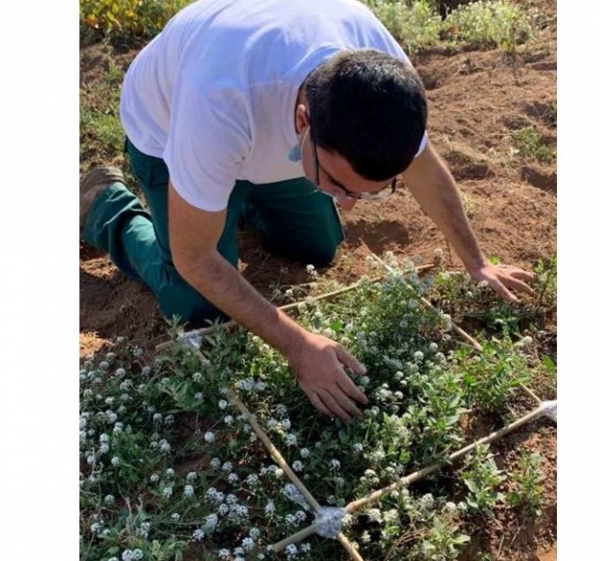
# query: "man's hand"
(501, 278)
(318, 364)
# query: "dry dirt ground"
(476, 99)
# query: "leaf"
(472, 486)
(547, 362)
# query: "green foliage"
(527, 492)
(482, 478)
(415, 24)
(491, 376)
(529, 143)
(139, 18)
(490, 24)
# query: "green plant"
(527, 491)
(415, 24)
(529, 143)
(490, 376)
(139, 18)
(482, 479)
(490, 24)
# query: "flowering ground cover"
(172, 469)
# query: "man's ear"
(301, 118)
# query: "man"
(274, 111)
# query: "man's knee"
(320, 254)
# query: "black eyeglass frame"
(383, 193)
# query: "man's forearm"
(434, 188)
(225, 287)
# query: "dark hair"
(370, 108)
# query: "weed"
(529, 143)
(527, 493)
(482, 479)
(138, 18)
(492, 24)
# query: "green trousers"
(294, 220)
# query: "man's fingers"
(318, 404)
(502, 291)
(350, 361)
(333, 405)
(347, 386)
(519, 285)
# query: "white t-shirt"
(214, 93)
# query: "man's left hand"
(503, 279)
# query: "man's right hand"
(318, 364)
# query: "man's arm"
(434, 188)
(318, 363)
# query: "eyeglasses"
(383, 193)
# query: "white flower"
(227, 467)
(305, 547)
(164, 445)
(233, 478)
(297, 466)
(188, 491)
(304, 453)
(291, 440)
(252, 479)
(334, 464)
(169, 472)
(427, 501)
(357, 447)
(191, 477)
(144, 529)
(154, 478)
(209, 437)
(109, 499)
(291, 551)
(223, 404)
(270, 508)
(215, 463)
(175, 517)
(211, 522)
(224, 553)
(115, 461)
(223, 509)
(374, 515)
(254, 533)
(228, 420)
(248, 544)
(167, 492)
(198, 535)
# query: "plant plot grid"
(143, 427)
(329, 520)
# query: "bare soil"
(476, 99)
